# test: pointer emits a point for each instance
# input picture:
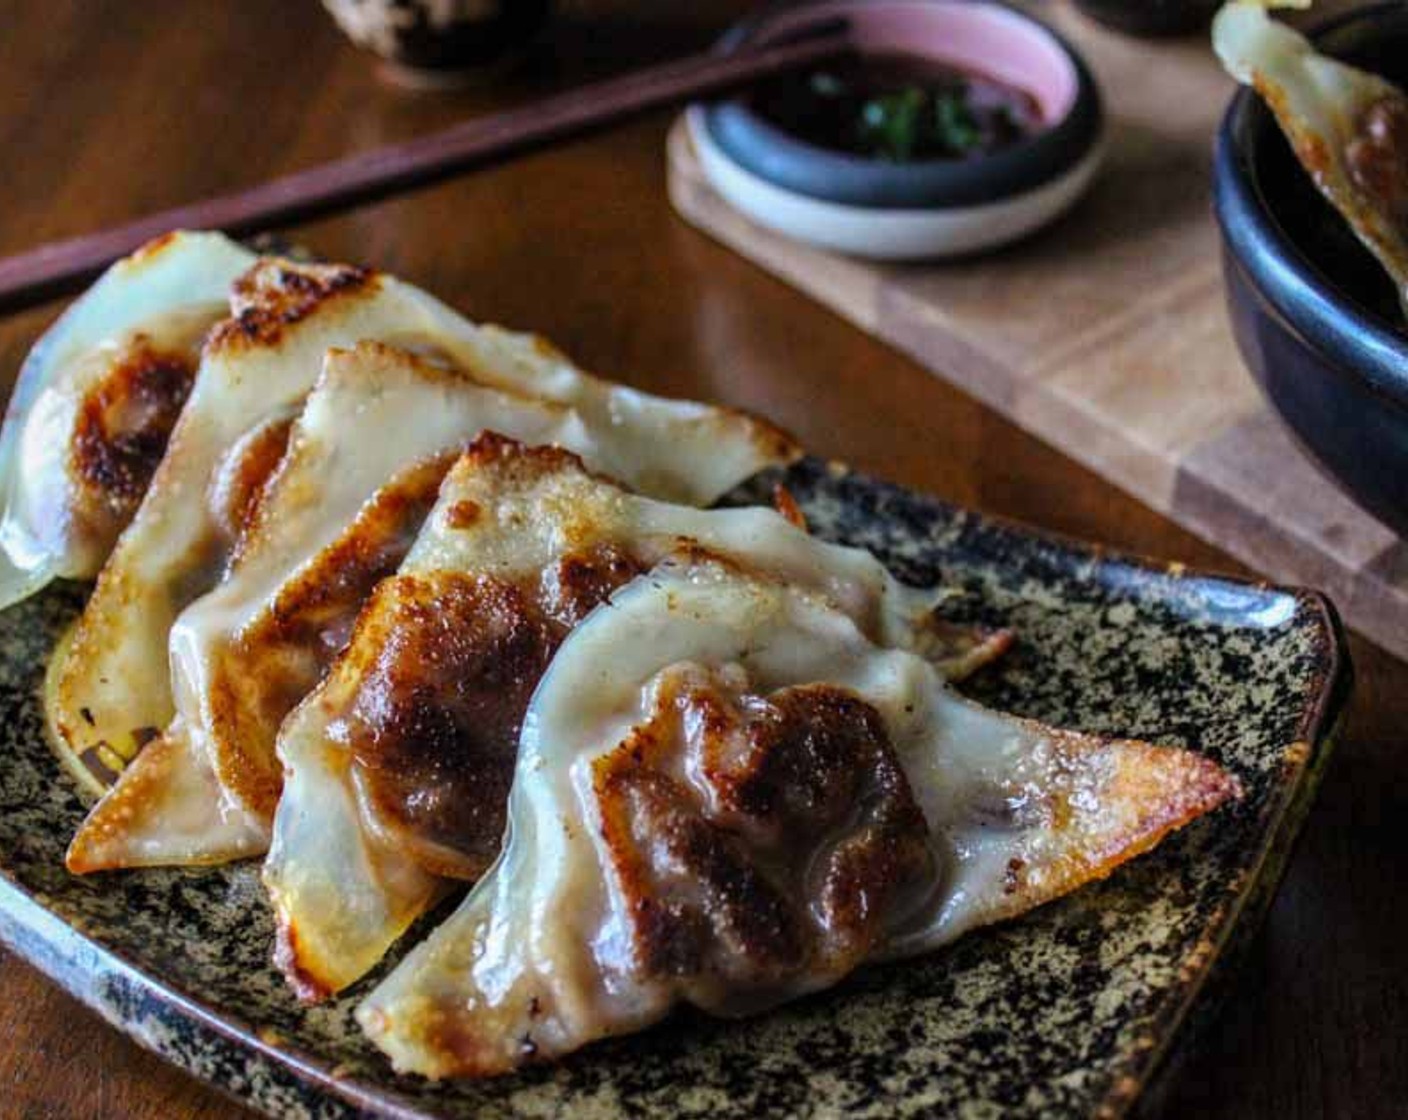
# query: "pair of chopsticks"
(49, 270)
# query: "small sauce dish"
(927, 199)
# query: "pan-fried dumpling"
(95, 402)
(337, 516)
(110, 691)
(726, 795)
(398, 767)
(1349, 128)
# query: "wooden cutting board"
(1106, 335)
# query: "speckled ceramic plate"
(1067, 1012)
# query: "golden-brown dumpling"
(110, 689)
(726, 795)
(398, 765)
(96, 401)
(362, 469)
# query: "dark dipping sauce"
(899, 107)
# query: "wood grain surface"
(108, 109)
(1107, 334)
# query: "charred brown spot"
(774, 443)
(1014, 876)
(497, 463)
(786, 504)
(276, 294)
(704, 906)
(800, 761)
(823, 760)
(490, 449)
(1377, 158)
(123, 424)
(434, 721)
(155, 247)
(758, 836)
(580, 581)
(959, 650)
(287, 959)
(463, 514)
(242, 480)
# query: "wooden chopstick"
(38, 274)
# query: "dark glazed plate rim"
(129, 995)
(793, 164)
(1357, 344)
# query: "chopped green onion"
(891, 125)
(955, 127)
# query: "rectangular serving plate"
(1070, 1011)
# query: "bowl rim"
(797, 166)
(890, 234)
(1357, 342)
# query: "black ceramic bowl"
(435, 43)
(1315, 318)
(1151, 18)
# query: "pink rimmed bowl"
(925, 208)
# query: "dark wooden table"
(109, 109)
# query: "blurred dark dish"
(1315, 317)
(1151, 18)
(440, 42)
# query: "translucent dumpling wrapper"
(362, 469)
(398, 766)
(1348, 127)
(95, 402)
(726, 795)
(109, 692)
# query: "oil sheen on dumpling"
(363, 468)
(95, 402)
(398, 766)
(727, 796)
(109, 692)
(1348, 127)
